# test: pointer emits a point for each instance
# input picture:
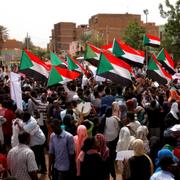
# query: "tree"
(97, 38)
(3, 35)
(93, 36)
(171, 36)
(133, 35)
(43, 54)
(85, 36)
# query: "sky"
(37, 17)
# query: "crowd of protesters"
(91, 130)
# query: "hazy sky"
(37, 17)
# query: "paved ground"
(45, 177)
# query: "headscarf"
(174, 110)
(103, 149)
(79, 139)
(138, 147)
(164, 153)
(125, 139)
(142, 132)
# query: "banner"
(15, 89)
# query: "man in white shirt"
(37, 139)
(21, 160)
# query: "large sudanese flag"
(114, 69)
(125, 52)
(59, 75)
(34, 67)
(156, 72)
(167, 62)
(92, 54)
(150, 40)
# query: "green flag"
(104, 65)
(89, 53)
(25, 61)
(71, 64)
(55, 59)
(117, 51)
(54, 77)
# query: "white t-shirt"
(37, 136)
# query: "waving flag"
(74, 65)
(114, 69)
(60, 75)
(156, 72)
(34, 67)
(56, 61)
(126, 53)
(92, 54)
(165, 59)
(151, 40)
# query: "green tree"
(3, 35)
(43, 54)
(85, 36)
(133, 35)
(93, 36)
(97, 38)
(171, 36)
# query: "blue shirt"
(61, 146)
(107, 100)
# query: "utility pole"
(146, 12)
(27, 42)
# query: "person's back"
(21, 160)
(91, 167)
(108, 99)
(140, 165)
(139, 168)
(19, 154)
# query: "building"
(11, 52)
(62, 35)
(113, 25)
(106, 26)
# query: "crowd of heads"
(144, 111)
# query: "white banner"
(15, 89)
